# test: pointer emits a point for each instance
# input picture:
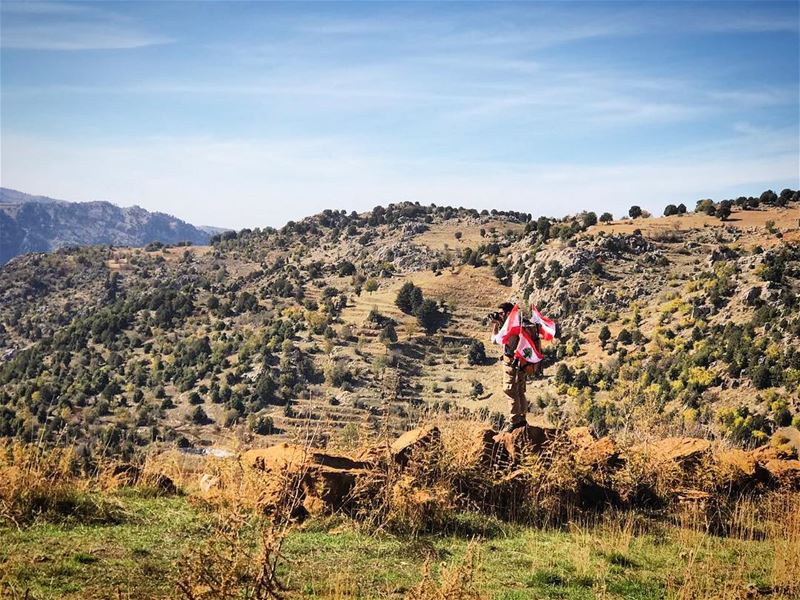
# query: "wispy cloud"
(65, 26)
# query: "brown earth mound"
(498, 465)
(312, 479)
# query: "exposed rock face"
(39, 224)
(497, 471)
(525, 441)
(319, 480)
(414, 441)
(785, 473)
(751, 296)
(209, 483)
(684, 451)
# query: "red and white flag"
(510, 328)
(547, 327)
(526, 350)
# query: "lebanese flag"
(526, 350)
(547, 327)
(510, 328)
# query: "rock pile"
(323, 481)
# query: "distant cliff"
(40, 224)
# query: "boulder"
(682, 450)
(374, 455)
(319, 481)
(595, 459)
(523, 441)
(600, 455)
(209, 484)
(484, 452)
(784, 473)
(414, 442)
(738, 470)
(751, 296)
(296, 458)
(581, 437)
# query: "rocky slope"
(682, 325)
(40, 224)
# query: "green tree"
(388, 335)
(604, 334)
(371, 285)
(428, 315)
(606, 217)
(634, 212)
(262, 425)
(409, 298)
(476, 353)
(199, 416)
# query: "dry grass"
(456, 582)
(238, 561)
(38, 483)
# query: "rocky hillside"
(40, 224)
(352, 324)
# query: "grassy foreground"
(141, 552)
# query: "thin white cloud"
(43, 8)
(70, 27)
(82, 36)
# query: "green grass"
(138, 558)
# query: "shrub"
(409, 298)
(428, 315)
(476, 353)
(388, 334)
(761, 377)
(262, 425)
(199, 416)
(476, 388)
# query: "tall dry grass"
(239, 560)
(773, 522)
(50, 484)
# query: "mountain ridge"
(30, 223)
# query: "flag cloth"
(510, 328)
(526, 349)
(547, 327)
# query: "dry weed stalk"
(239, 560)
(454, 583)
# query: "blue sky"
(250, 114)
